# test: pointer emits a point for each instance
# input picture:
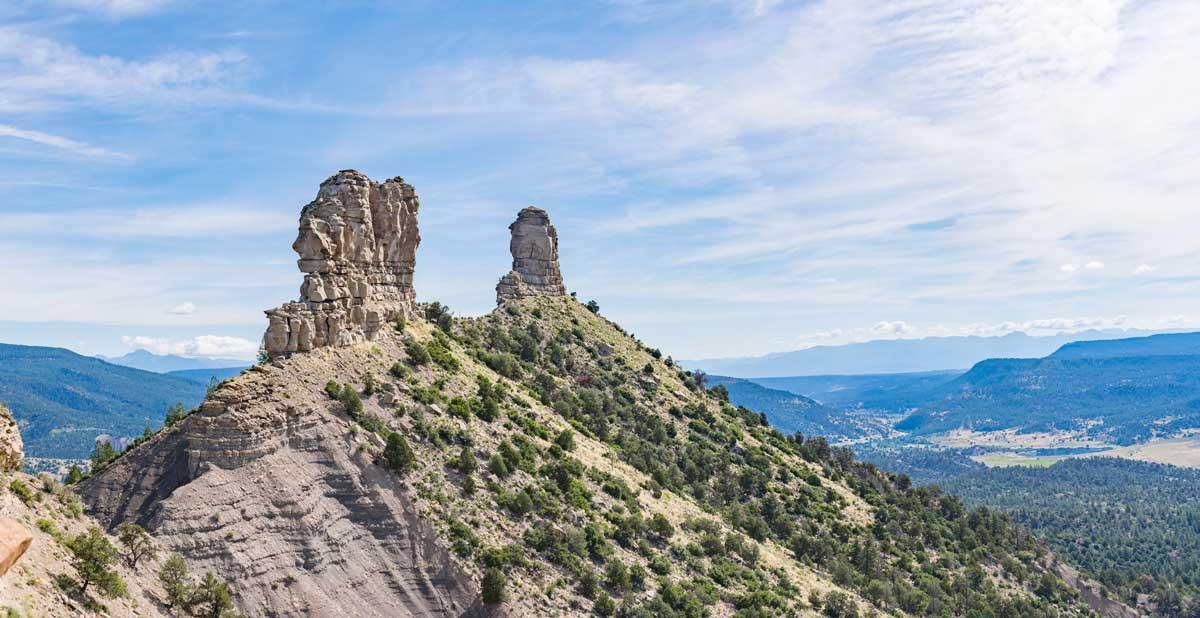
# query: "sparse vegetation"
(93, 555)
(136, 544)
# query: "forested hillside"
(571, 469)
(62, 400)
(1134, 397)
(791, 413)
(887, 392)
(1135, 526)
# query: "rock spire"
(357, 246)
(534, 248)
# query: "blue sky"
(727, 177)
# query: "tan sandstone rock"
(534, 248)
(12, 450)
(357, 245)
(14, 540)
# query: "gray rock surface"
(267, 485)
(357, 245)
(534, 248)
(12, 449)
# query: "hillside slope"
(666, 501)
(392, 460)
(53, 515)
(887, 392)
(1123, 399)
(1179, 344)
(62, 400)
(1116, 519)
(790, 413)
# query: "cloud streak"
(63, 143)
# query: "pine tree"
(93, 555)
(398, 454)
(136, 543)
(176, 581)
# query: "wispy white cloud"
(184, 308)
(38, 73)
(226, 219)
(113, 8)
(1039, 328)
(208, 346)
(63, 143)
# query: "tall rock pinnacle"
(357, 245)
(534, 248)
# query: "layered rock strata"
(357, 246)
(267, 485)
(534, 248)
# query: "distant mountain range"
(898, 355)
(204, 376)
(791, 413)
(1127, 390)
(164, 363)
(888, 391)
(1123, 391)
(63, 400)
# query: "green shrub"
(565, 440)
(460, 408)
(351, 401)
(175, 413)
(398, 455)
(497, 466)
(22, 491)
(588, 583)
(604, 605)
(492, 587)
(466, 463)
(333, 389)
(441, 355)
(400, 371)
(370, 384)
(616, 574)
(417, 353)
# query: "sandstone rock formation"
(12, 450)
(534, 248)
(14, 540)
(357, 245)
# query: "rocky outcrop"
(267, 485)
(14, 540)
(12, 450)
(357, 245)
(534, 248)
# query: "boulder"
(14, 540)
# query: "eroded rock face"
(12, 449)
(357, 245)
(266, 486)
(534, 248)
